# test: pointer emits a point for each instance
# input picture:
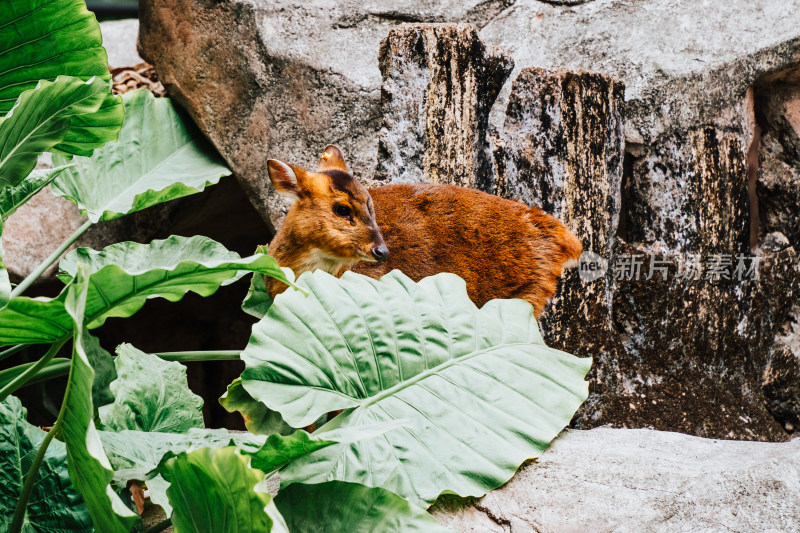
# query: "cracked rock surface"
(629, 480)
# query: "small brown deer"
(501, 248)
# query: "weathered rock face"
(640, 480)
(646, 142)
(439, 84)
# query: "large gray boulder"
(626, 480)
(660, 134)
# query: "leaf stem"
(36, 274)
(55, 368)
(11, 351)
(161, 526)
(210, 355)
(23, 378)
(30, 478)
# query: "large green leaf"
(216, 490)
(41, 119)
(54, 505)
(482, 391)
(44, 39)
(89, 468)
(34, 321)
(339, 506)
(160, 156)
(151, 394)
(136, 454)
(123, 277)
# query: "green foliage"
(54, 506)
(134, 455)
(150, 394)
(216, 490)
(41, 119)
(480, 389)
(160, 156)
(47, 38)
(11, 198)
(258, 418)
(340, 506)
(258, 301)
(123, 276)
(89, 468)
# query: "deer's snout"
(380, 253)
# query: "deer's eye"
(342, 210)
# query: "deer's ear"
(284, 178)
(332, 159)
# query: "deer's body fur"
(501, 248)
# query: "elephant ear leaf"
(481, 391)
(89, 467)
(160, 156)
(54, 506)
(341, 506)
(41, 119)
(45, 39)
(216, 489)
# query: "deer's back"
(502, 248)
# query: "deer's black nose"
(380, 252)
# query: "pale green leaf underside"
(150, 394)
(160, 156)
(481, 390)
(54, 506)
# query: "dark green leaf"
(339, 506)
(56, 367)
(104, 371)
(160, 156)
(150, 394)
(41, 119)
(55, 506)
(258, 300)
(215, 490)
(44, 39)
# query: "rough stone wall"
(439, 85)
(252, 102)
